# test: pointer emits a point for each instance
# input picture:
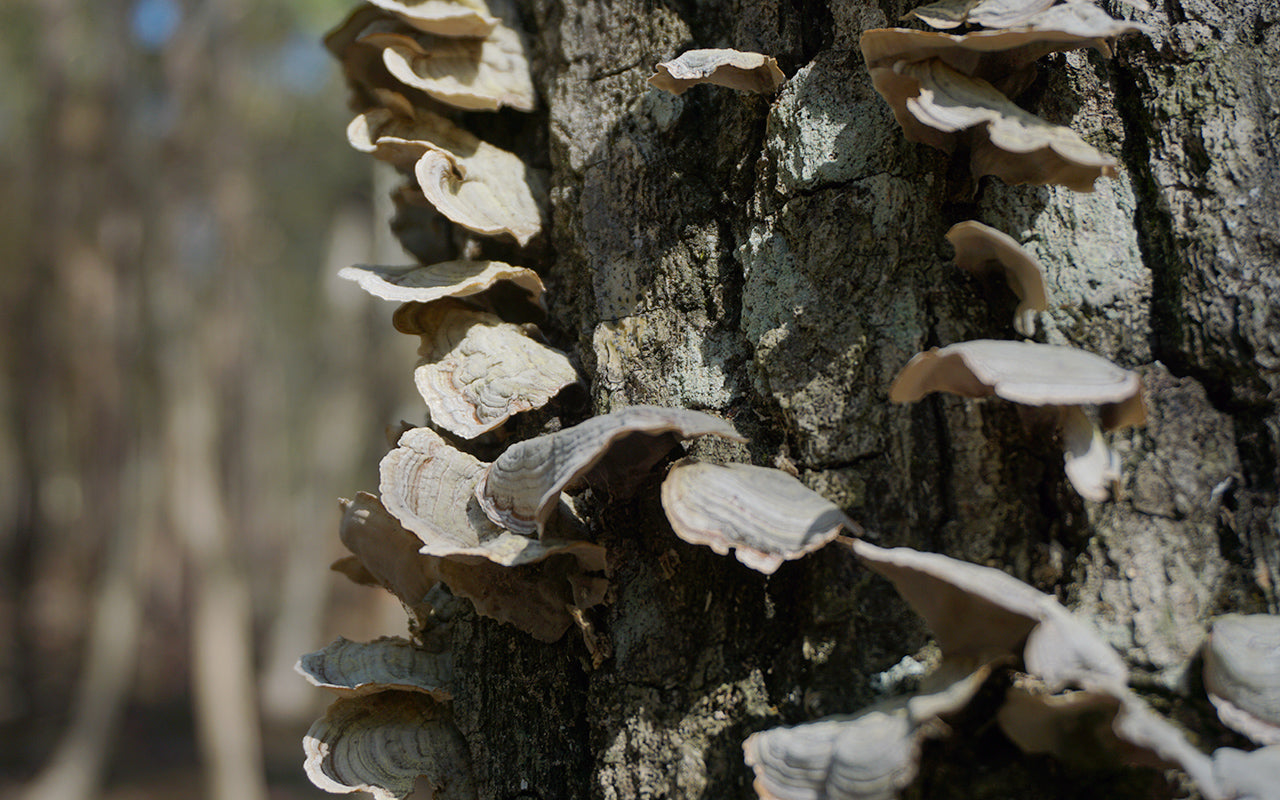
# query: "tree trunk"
(777, 260)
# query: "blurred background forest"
(186, 389)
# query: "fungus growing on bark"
(381, 743)
(748, 72)
(443, 17)
(385, 552)
(473, 74)
(938, 106)
(1242, 674)
(419, 284)
(522, 487)
(476, 185)
(476, 371)
(981, 249)
(351, 669)
(429, 487)
(1077, 16)
(865, 756)
(765, 515)
(1033, 374)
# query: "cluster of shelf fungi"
(444, 518)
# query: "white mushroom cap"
(765, 515)
(390, 663)
(981, 248)
(419, 284)
(1242, 674)
(1025, 372)
(748, 72)
(521, 489)
(443, 17)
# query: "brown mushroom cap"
(748, 72)
(390, 663)
(1242, 674)
(381, 743)
(1025, 372)
(386, 551)
(981, 249)
(477, 371)
(522, 487)
(765, 515)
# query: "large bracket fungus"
(476, 371)
(522, 488)
(1042, 375)
(765, 515)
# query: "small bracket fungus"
(982, 613)
(865, 756)
(429, 487)
(472, 74)
(982, 249)
(386, 551)
(352, 669)
(1242, 674)
(521, 489)
(748, 72)
(765, 515)
(1038, 375)
(418, 284)
(443, 17)
(381, 743)
(483, 188)
(934, 103)
(476, 371)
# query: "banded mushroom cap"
(982, 613)
(430, 488)
(1025, 372)
(870, 755)
(477, 371)
(748, 72)
(939, 106)
(982, 249)
(521, 489)
(443, 17)
(381, 743)
(765, 515)
(426, 284)
(1081, 18)
(471, 74)
(390, 663)
(483, 188)
(1242, 674)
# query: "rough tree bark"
(777, 260)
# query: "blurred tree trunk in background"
(777, 261)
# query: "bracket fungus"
(1079, 17)
(938, 106)
(443, 17)
(1036, 374)
(748, 72)
(381, 743)
(352, 668)
(1242, 674)
(483, 188)
(765, 515)
(471, 74)
(477, 371)
(522, 487)
(982, 249)
(429, 487)
(419, 284)
(865, 756)
(980, 613)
